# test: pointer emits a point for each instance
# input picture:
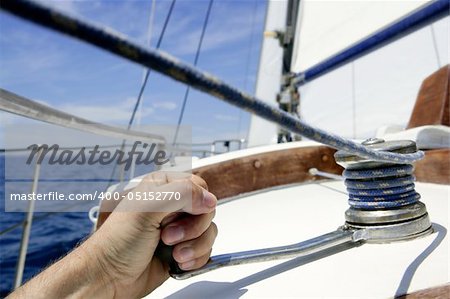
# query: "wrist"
(96, 270)
(78, 275)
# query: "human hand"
(125, 244)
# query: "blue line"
(436, 10)
(374, 191)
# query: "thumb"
(190, 198)
(157, 202)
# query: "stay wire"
(197, 55)
(144, 84)
(147, 73)
(247, 67)
(435, 46)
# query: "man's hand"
(118, 260)
(131, 237)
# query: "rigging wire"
(40, 217)
(353, 68)
(247, 68)
(147, 73)
(144, 75)
(197, 55)
(13, 227)
(11, 150)
(144, 84)
(435, 46)
(146, 69)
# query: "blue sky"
(80, 79)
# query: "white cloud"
(235, 28)
(105, 113)
(165, 105)
(225, 117)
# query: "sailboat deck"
(292, 214)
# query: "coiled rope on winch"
(381, 188)
(118, 44)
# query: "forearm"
(118, 260)
(78, 275)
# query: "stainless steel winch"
(384, 207)
(386, 224)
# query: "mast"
(289, 34)
(288, 98)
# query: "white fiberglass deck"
(293, 214)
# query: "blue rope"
(161, 62)
(380, 192)
(380, 183)
(381, 188)
(378, 172)
(378, 205)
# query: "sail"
(325, 28)
(375, 92)
(262, 132)
(371, 93)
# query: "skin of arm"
(118, 260)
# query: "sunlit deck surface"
(292, 214)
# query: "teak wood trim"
(260, 171)
(434, 167)
(439, 292)
(265, 170)
(276, 168)
(432, 104)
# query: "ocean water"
(52, 234)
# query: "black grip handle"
(165, 254)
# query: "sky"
(82, 80)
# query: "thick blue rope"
(161, 62)
(381, 188)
